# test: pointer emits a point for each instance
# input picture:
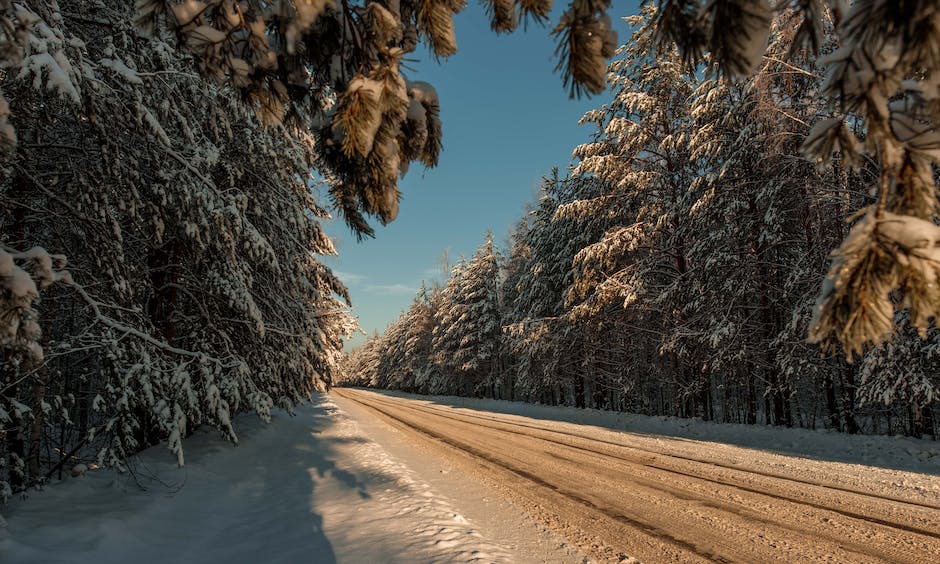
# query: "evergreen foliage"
(333, 68)
(879, 67)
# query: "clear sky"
(507, 121)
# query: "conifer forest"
(731, 245)
(751, 235)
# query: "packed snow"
(621, 493)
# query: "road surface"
(619, 495)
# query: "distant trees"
(447, 342)
(477, 321)
(675, 270)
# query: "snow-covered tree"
(446, 334)
(549, 353)
(361, 365)
(479, 325)
(754, 214)
(191, 232)
(419, 334)
(904, 372)
(641, 151)
(392, 356)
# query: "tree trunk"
(832, 407)
(35, 430)
(750, 412)
(15, 436)
(705, 397)
(848, 400)
(918, 420)
(162, 263)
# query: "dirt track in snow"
(658, 499)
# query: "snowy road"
(619, 495)
(313, 488)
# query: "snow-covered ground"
(894, 452)
(335, 483)
(310, 488)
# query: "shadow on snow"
(254, 502)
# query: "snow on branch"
(882, 253)
(19, 325)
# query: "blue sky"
(507, 121)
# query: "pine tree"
(904, 372)
(361, 365)
(548, 350)
(446, 335)
(641, 151)
(480, 326)
(391, 373)
(419, 339)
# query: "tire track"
(933, 533)
(646, 528)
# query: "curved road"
(620, 495)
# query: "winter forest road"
(619, 495)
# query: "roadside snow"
(308, 488)
(895, 453)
